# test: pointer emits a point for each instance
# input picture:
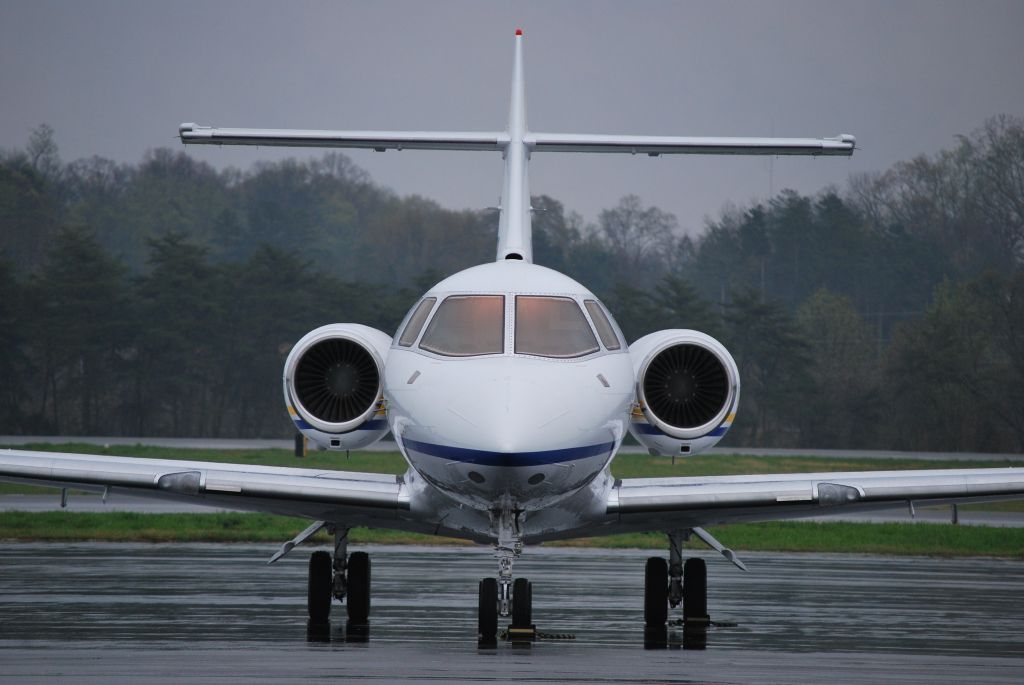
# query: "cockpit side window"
(416, 321)
(552, 327)
(467, 325)
(604, 327)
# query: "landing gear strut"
(344, 575)
(501, 596)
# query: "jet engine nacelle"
(687, 390)
(333, 383)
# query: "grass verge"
(867, 538)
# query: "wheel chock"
(521, 634)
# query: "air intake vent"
(336, 380)
(686, 386)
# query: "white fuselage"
(506, 428)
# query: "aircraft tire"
(522, 603)
(358, 588)
(655, 592)
(488, 611)
(695, 589)
(318, 595)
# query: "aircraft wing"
(665, 503)
(323, 495)
(679, 145)
(193, 134)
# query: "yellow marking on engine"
(291, 410)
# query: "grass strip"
(789, 536)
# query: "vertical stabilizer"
(514, 239)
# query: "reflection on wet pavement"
(107, 596)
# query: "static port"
(476, 477)
(536, 479)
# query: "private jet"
(509, 388)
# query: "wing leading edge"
(661, 503)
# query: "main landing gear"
(343, 577)
(674, 583)
(677, 583)
(501, 596)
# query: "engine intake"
(686, 386)
(333, 380)
(336, 380)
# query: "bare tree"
(641, 237)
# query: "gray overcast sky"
(115, 78)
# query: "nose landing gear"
(501, 596)
(521, 603)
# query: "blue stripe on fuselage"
(373, 425)
(650, 429)
(485, 458)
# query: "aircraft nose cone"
(510, 412)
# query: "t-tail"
(516, 144)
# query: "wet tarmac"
(112, 613)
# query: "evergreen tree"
(773, 363)
(843, 405)
(180, 324)
(82, 332)
(14, 365)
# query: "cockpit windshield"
(467, 325)
(604, 327)
(552, 327)
(416, 321)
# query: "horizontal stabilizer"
(375, 140)
(193, 134)
(680, 145)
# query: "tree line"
(161, 298)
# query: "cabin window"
(604, 327)
(467, 325)
(416, 321)
(552, 327)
